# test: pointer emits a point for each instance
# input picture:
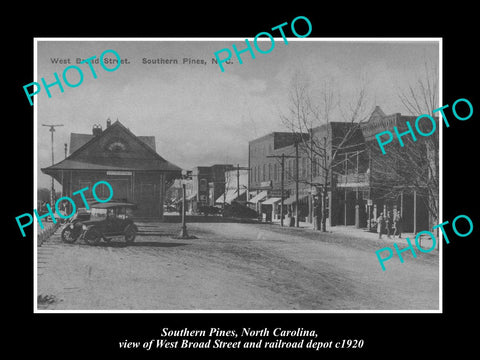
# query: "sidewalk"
(352, 231)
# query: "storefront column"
(414, 211)
(401, 204)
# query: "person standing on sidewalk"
(397, 225)
(388, 224)
(380, 225)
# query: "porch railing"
(348, 180)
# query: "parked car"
(238, 210)
(169, 208)
(107, 220)
(209, 210)
(73, 228)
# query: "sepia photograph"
(171, 178)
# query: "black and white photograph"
(259, 187)
(214, 180)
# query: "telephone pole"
(52, 194)
(238, 168)
(297, 222)
(283, 156)
(186, 175)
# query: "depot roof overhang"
(112, 165)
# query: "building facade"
(129, 163)
(398, 179)
(208, 184)
(320, 160)
(236, 187)
(264, 180)
(345, 159)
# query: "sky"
(198, 114)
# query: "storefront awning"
(259, 197)
(271, 201)
(230, 196)
(190, 197)
(291, 200)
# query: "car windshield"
(98, 214)
(124, 213)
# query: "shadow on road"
(155, 234)
(141, 243)
(195, 219)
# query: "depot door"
(121, 190)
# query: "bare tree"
(423, 156)
(309, 118)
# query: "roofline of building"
(272, 134)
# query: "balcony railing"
(352, 180)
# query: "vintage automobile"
(107, 220)
(209, 210)
(73, 227)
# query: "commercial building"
(236, 187)
(208, 183)
(400, 179)
(343, 158)
(264, 181)
(310, 161)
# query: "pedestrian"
(397, 225)
(388, 224)
(291, 217)
(380, 225)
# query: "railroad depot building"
(129, 163)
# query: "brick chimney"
(109, 122)
(97, 129)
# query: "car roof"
(113, 204)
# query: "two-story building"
(397, 180)
(320, 155)
(208, 184)
(345, 159)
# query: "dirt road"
(233, 266)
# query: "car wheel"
(92, 236)
(68, 235)
(130, 234)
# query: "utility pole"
(297, 223)
(310, 196)
(238, 168)
(183, 232)
(52, 194)
(282, 186)
(283, 156)
(224, 194)
(63, 190)
(345, 192)
(186, 175)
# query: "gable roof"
(78, 140)
(81, 159)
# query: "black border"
(384, 334)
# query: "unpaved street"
(234, 266)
